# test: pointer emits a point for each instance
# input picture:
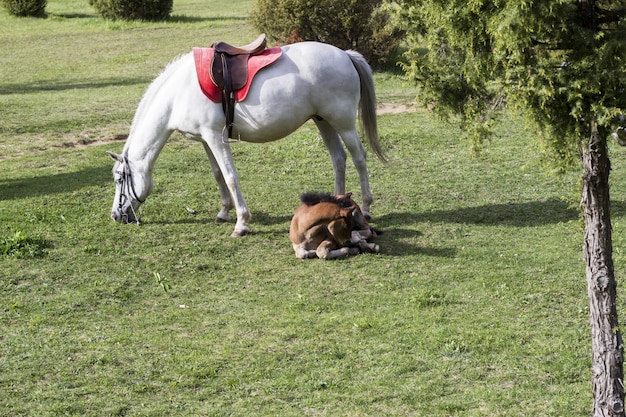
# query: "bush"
(34, 8)
(133, 9)
(367, 26)
(18, 245)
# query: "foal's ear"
(347, 213)
(115, 156)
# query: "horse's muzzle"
(124, 218)
(116, 216)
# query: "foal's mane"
(311, 199)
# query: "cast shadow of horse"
(524, 214)
(400, 228)
(398, 231)
(259, 218)
(55, 85)
(65, 182)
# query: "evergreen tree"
(561, 64)
(149, 10)
(23, 8)
(367, 26)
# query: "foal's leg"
(329, 249)
(227, 201)
(337, 153)
(303, 253)
(224, 159)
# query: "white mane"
(151, 91)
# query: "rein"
(128, 187)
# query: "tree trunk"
(587, 10)
(607, 346)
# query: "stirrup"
(227, 139)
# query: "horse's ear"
(115, 156)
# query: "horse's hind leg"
(350, 137)
(227, 202)
(355, 147)
(337, 153)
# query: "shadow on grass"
(72, 15)
(395, 241)
(55, 85)
(528, 214)
(173, 18)
(397, 235)
(400, 228)
(66, 182)
(269, 220)
(258, 218)
(197, 19)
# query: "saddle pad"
(204, 57)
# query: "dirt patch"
(383, 108)
(87, 141)
(393, 108)
(83, 143)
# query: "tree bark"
(587, 10)
(607, 345)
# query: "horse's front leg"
(227, 201)
(224, 159)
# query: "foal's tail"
(367, 110)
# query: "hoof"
(354, 251)
(222, 219)
(240, 233)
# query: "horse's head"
(132, 187)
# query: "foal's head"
(351, 212)
(348, 208)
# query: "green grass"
(476, 305)
(75, 77)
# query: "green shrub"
(367, 26)
(18, 245)
(133, 9)
(35, 8)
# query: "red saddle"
(204, 61)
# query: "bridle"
(128, 191)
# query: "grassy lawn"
(476, 305)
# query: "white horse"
(310, 81)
